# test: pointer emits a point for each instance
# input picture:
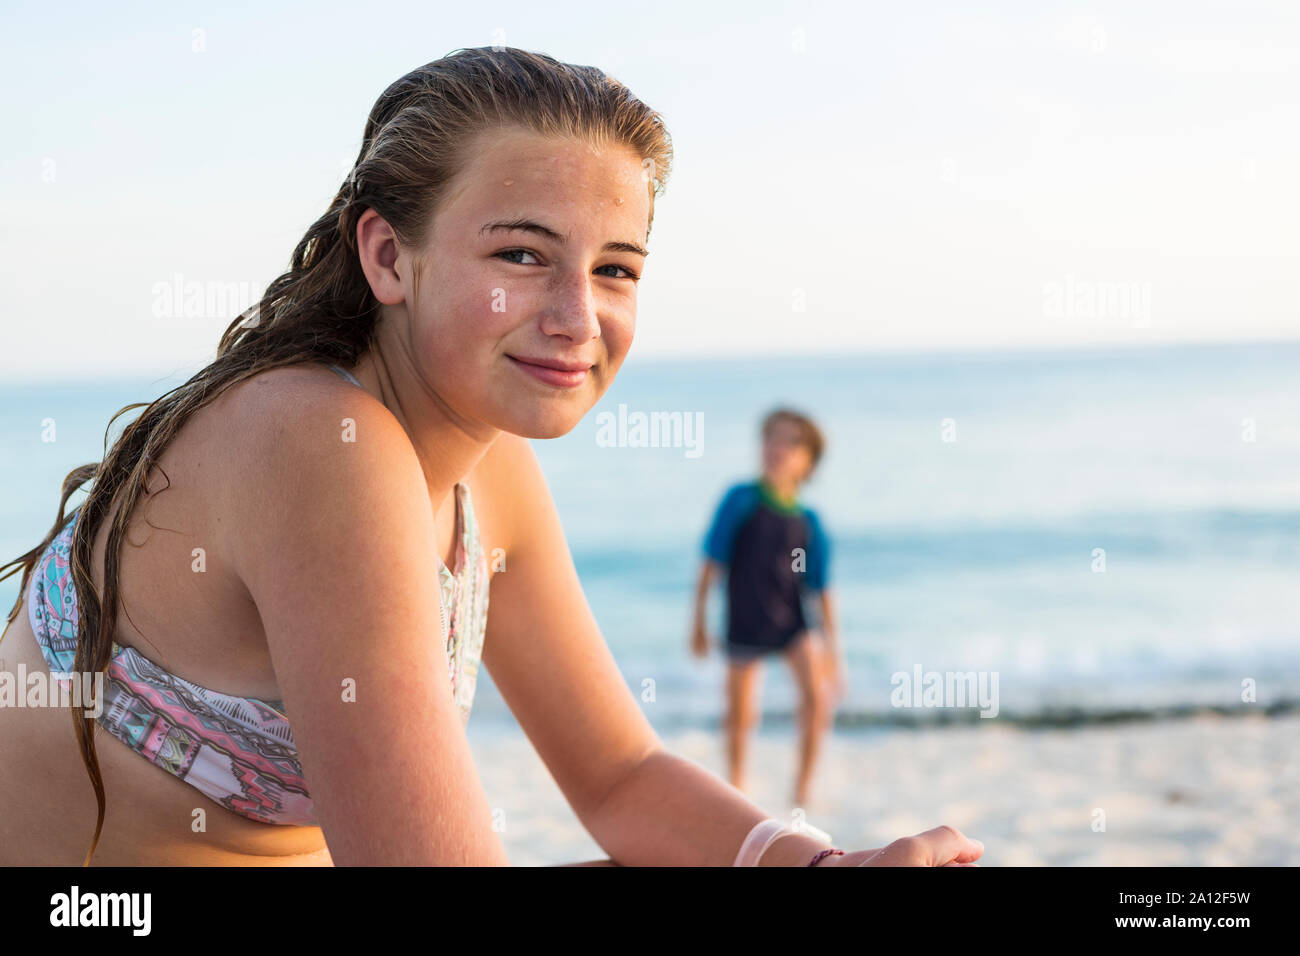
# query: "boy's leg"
(742, 712)
(805, 658)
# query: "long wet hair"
(322, 309)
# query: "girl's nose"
(571, 311)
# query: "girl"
(251, 569)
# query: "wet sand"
(1202, 791)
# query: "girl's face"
(525, 301)
(785, 456)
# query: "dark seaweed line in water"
(1063, 718)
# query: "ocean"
(1107, 534)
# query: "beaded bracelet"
(823, 854)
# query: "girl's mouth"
(549, 375)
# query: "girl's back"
(202, 627)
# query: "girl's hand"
(942, 846)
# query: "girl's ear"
(378, 251)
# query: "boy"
(776, 554)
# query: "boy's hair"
(810, 436)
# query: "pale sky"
(914, 176)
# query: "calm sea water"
(966, 497)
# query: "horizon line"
(1008, 350)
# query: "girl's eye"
(627, 273)
(515, 252)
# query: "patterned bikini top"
(239, 751)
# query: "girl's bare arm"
(335, 542)
(642, 804)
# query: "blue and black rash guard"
(756, 535)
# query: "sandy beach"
(1201, 791)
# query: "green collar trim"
(775, 502)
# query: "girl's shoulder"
(296, 426)
(275, 389)
(307, 404)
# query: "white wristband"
(764, 834)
